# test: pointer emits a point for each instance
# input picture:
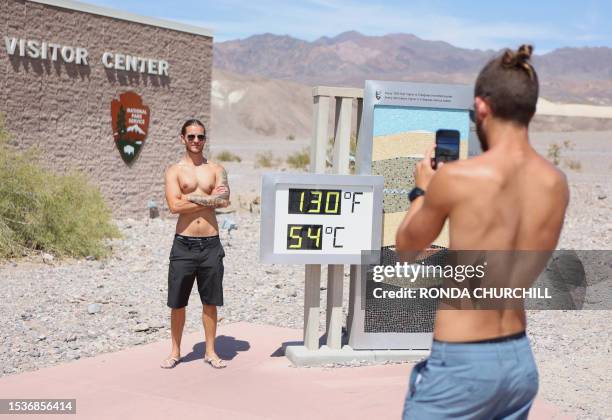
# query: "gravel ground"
(59, 311)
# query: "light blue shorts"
(473, 381)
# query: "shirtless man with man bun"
(195, 187)
(509, 201)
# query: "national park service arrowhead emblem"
(130, 119)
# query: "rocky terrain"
(58, 311)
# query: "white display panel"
(326, 219)
(341, 228)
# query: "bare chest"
(200, 179)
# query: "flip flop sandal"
(216, 363)
(171, 362)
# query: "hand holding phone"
(447, 147)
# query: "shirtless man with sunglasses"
(195, 187)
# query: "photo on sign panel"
(401, 135)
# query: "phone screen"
(447, 146)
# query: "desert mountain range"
(262, 84)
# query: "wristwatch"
(415, 193)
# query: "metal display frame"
(268, 205)
(381, 93)
(459, 97)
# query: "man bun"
(509, 83)
(519, 59)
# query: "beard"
(482, 136)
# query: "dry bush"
(227, 156)
(299, 160)
(44, 211)
(554, 153)
(265, 160)
(574, 165)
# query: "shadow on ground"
(227, 348)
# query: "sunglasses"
(192, 137)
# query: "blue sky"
(471, 24)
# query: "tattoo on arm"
(225, 184)
(214, 201)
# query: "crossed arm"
(220, 194)
(185, 204)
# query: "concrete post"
(334, 318)
(335, 273)
(312, 280)
(342, 135)
(320, 134)
(312, 305)
(318, 159)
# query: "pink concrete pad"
(258, 384)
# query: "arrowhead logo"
(130, 119)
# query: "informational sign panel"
(400, 121)
(319, 219)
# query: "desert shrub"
(554, 153)
(574, 165)
(44, 211)
(227, 156)
(299, 160)
(265, 160)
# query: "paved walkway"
(258, 384)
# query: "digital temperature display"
(304, 236)
(319, 218)
(309, 201)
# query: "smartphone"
(447, 146)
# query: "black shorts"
(195, 257)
